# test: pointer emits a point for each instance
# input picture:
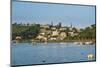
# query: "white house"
(63, 35)
(55, 33)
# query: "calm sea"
(41, 53)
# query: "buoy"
(90, 56)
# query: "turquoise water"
(41, 53)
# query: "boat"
(78, 43)
(90, 56)
(84, 43)
(62, 43)
(88, 43)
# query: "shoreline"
(81, 42)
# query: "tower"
(51, 23)
(59, 24)
(71, 25)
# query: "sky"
(43, 13)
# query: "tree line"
(31, 32)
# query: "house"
(78, 29)
(45, 26)
(53, 38)
(43, 30)
(18, 38)
(63, 35)
(42, 33)
(55, 33)
(73, 34)
(40, 37)
(53, 28)
(62, 29)
(70, 28)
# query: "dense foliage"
(26, 32)
(88, 32)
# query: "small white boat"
(90, 56)
(62, 43)
(75, 42)
(78, 43)
(83, 43)
(87, 43)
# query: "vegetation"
(25, 31)
(88, 33)
(31, 31)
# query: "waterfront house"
(18, 38)
(40, 37)
(63, 35)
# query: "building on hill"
(45, 26)
(62, 28)
(40, 37)
(55, 33)
(63, 35)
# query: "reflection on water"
(41, 53)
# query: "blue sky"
(27, 12)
